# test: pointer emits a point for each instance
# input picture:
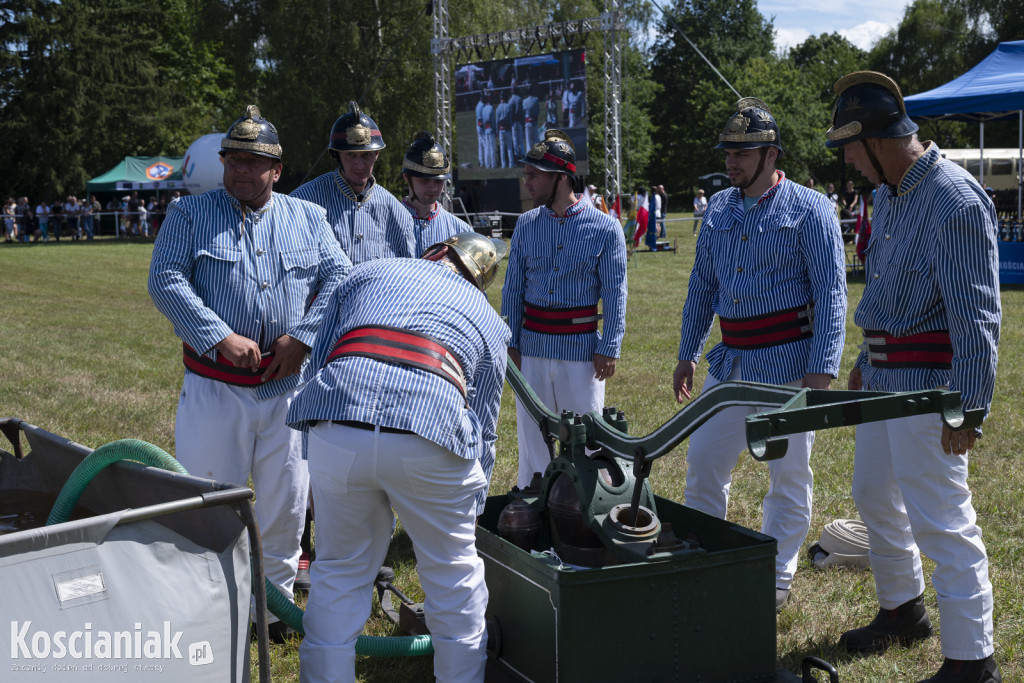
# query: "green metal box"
(706, 616)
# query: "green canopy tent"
(140, 173)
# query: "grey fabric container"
(151, 578)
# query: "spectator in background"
(143, 219)
(57, 219)
(832, 196)
(133, 214)
(43, 216)
(23, 214)
(849, 202)
(662, 208)
(10, 223)
(700, 205)
(85, 217)
(71, 216)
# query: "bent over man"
(403, 413)
(770, 264)
(930, 314)
(566, 256)
(244, 275)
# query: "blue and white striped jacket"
(219, 268)
(932, 263)
(377, 227)
(565, 263)
(437, 227)
(419, 296)
(786, 251)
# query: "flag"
(652, 223)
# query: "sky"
(862, 22)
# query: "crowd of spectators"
(75, 218)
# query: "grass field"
(87, 356)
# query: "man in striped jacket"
(426, 168)
(403, 413)
(236, 271)
(369, 222)
(930, 314)
(770, 264)
(566, 256)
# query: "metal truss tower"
(609, 23)
(439, 47)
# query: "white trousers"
(489, 141)
(507, 155)
(560, 385)
(714, 450)
(914, 498)
(225, 433)
(480, 149)
(358, 476)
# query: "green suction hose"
(283, 608)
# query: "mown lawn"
(87, 356)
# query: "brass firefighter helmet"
(554, 154)
(252, 133)
(476, 256)
(869, 105)
(426, 159)
(354, 131)
(751, 127)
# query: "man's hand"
(817, 380)
(241, 351)
(957, 441)
(682, 379)
(288, 355)
(604, 366)
(855, 383)
(516, 357)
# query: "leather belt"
(770, 329)
(223, 370)
(402, 347)
(369, 427)
(923, 350)
(575, 320)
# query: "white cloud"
(867, 34)
(785, 38)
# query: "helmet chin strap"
(757, 173)
(874, 161)
(554, 190)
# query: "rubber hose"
(283, 608)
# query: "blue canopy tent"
(992, 91)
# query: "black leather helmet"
(751, 127)
(252, 133)
(354, 131)
(869, 105)
(426, 159)
(554, 154)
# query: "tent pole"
(981, 163)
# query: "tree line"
(84, 83)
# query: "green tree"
(732, 35)
(820, 61)
(94, 80)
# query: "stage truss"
(610, 24)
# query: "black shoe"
(302, 581)
(904, 625)
(967, 671)
(781, 598)
(280, 632)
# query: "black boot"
(967, 671)
(904, 625)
